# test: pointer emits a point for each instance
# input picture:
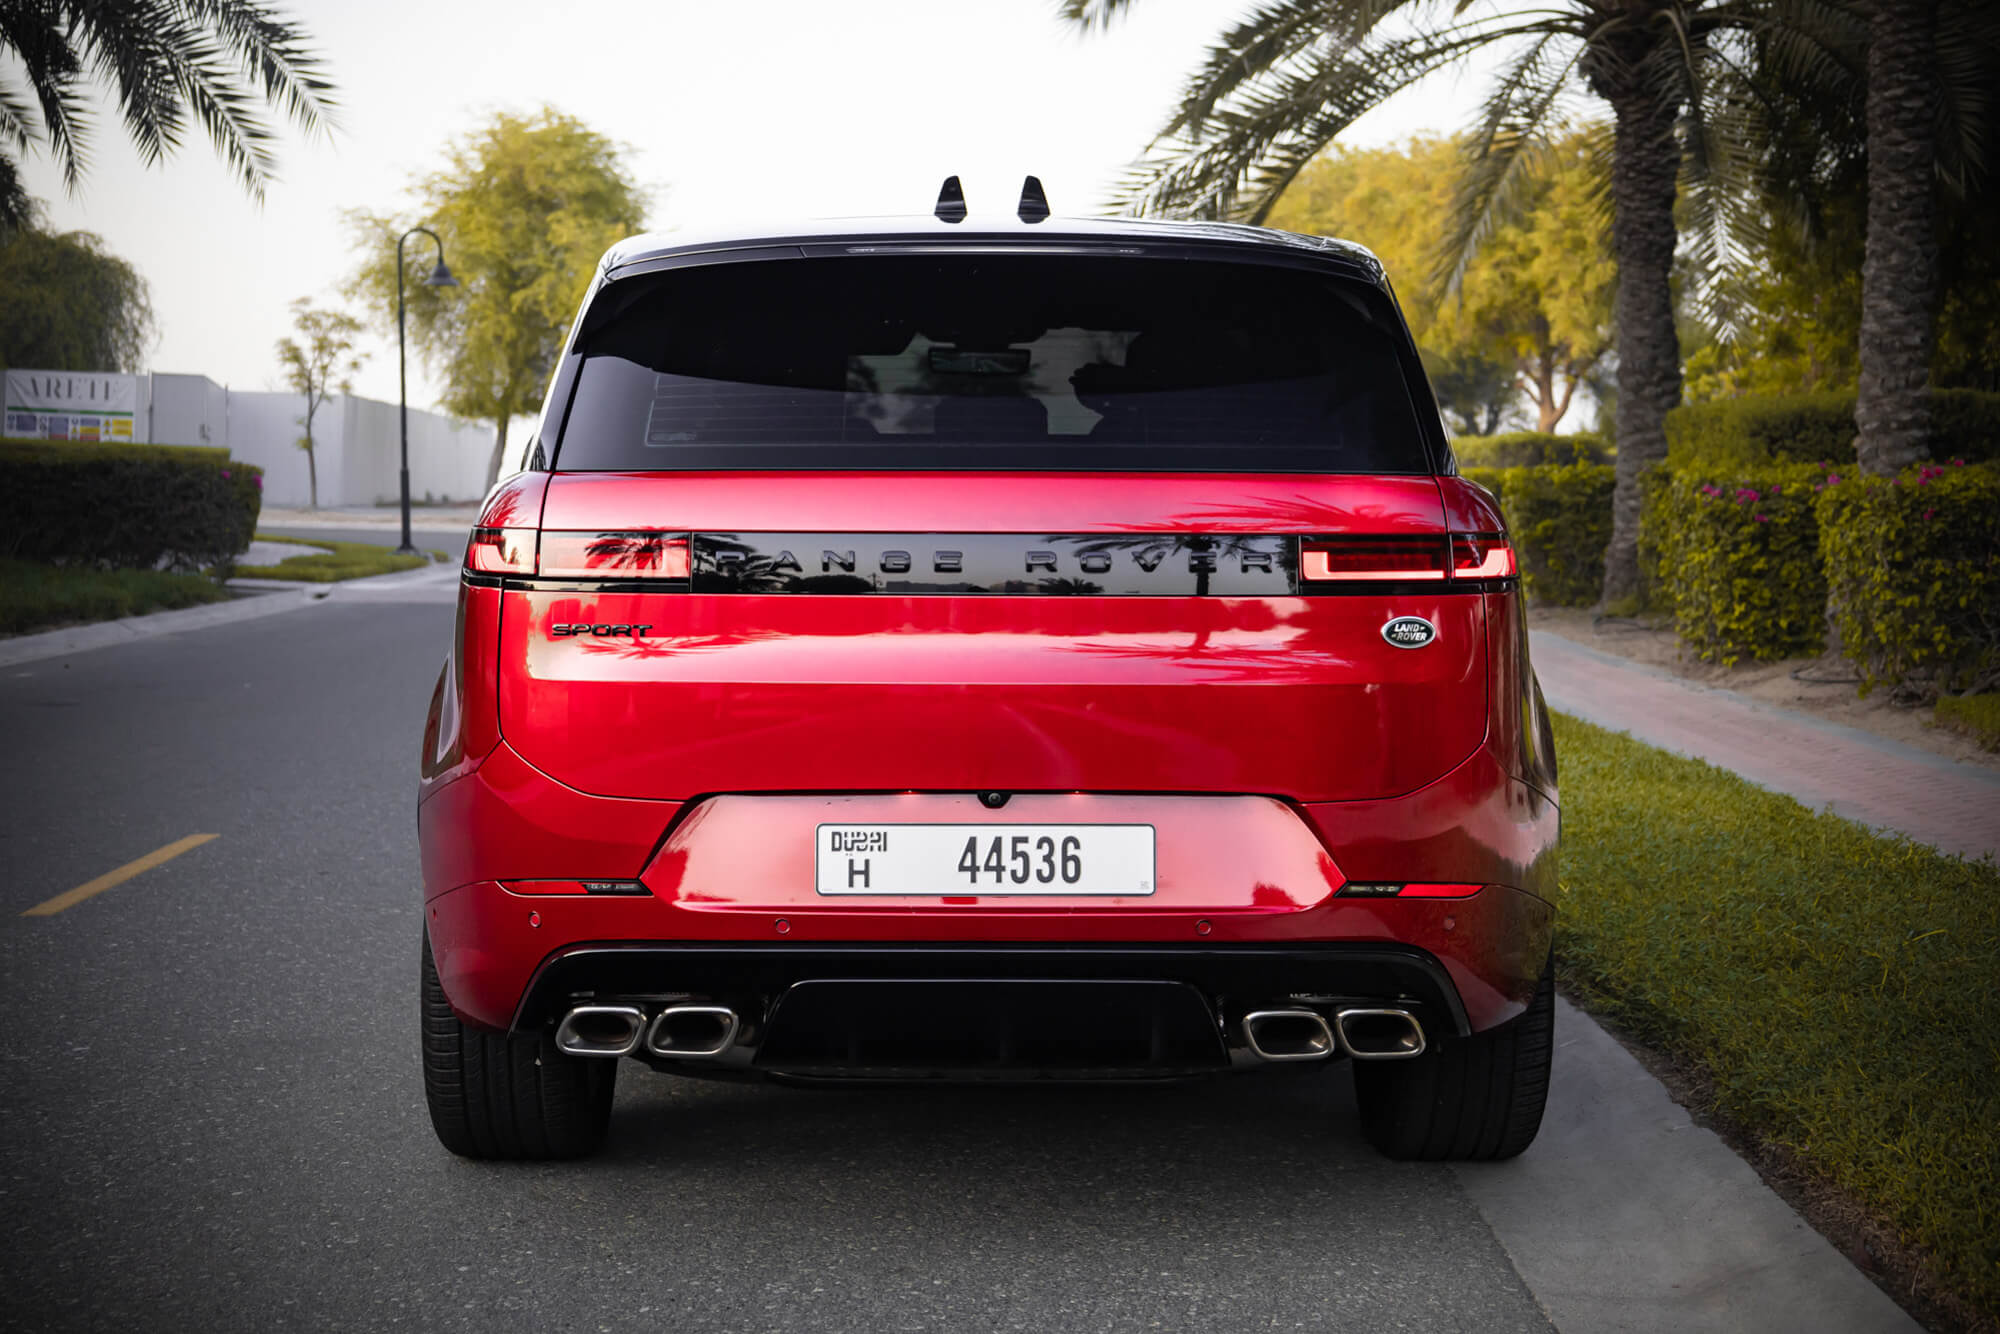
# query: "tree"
(1532, 312)
(1277, 89)
(526, 206)
(320, 361)
(1899, 274)
(1882, 248)
(70, 305)
(166, 62)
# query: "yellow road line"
(70, 898)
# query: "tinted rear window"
(992, 361)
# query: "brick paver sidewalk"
(1955, 807)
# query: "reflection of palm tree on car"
(748, 569)
(1150, 549)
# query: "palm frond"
(275, 57)
(1256, 143)
(1267, 38)
(1092, 15)
(225, 109)
(38, 37)
(1502, 155)
(18, 125)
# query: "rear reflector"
(501, 551)
(1438, 891)
(1376, 889)
(614, 556)
(1371, 559)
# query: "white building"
(354, 439)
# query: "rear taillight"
(640, 556)
(1396, 560)
(614, 556)
(1371, 559)
(501, 551)
(1481, 556)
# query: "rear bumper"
(1257, 886)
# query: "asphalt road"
(213, 1116)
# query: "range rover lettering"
(966, 647)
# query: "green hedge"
(1816, 428)
(1528, 449)
(1559, 517)
(125, 506)
(1913, 567)
(1739, 562)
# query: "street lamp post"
(440, 277)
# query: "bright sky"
(782, 108)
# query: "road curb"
(76, 639)
(1624, 1215)
(431, 583)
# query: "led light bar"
(630, 555)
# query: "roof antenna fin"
(1034, 204)
(951, 201)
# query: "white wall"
(184, 410)
(355, 442)
(447, 458)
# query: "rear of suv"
(983, 649)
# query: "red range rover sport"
(1005, 648)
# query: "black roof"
(849, 234)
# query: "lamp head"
(441, 276)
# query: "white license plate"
(984, 859)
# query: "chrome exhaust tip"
(1379, 1035)
(601, 1030)
(1288, 1035)
(693, 1032)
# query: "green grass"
(341, 560)
(1977, 716)
(1842, 990)
(35, 597)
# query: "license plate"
(985, 859)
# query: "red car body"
(622, 779)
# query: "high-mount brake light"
(625, 555)
(1371, 559)
(1481, 556)
(501, 551)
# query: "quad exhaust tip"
(1379, 1035)
(601, 1030)
(693, 1032)
(690, 1032)
(1304, 1035)
(1288, 1035)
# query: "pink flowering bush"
(1737, 558)
(1913, 574)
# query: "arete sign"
(71, 405)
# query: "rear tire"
(1473, 1099)
(497, 1096)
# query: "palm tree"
(1929, 66)
(167, 62)
(1277, 89)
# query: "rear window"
(992, 361)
